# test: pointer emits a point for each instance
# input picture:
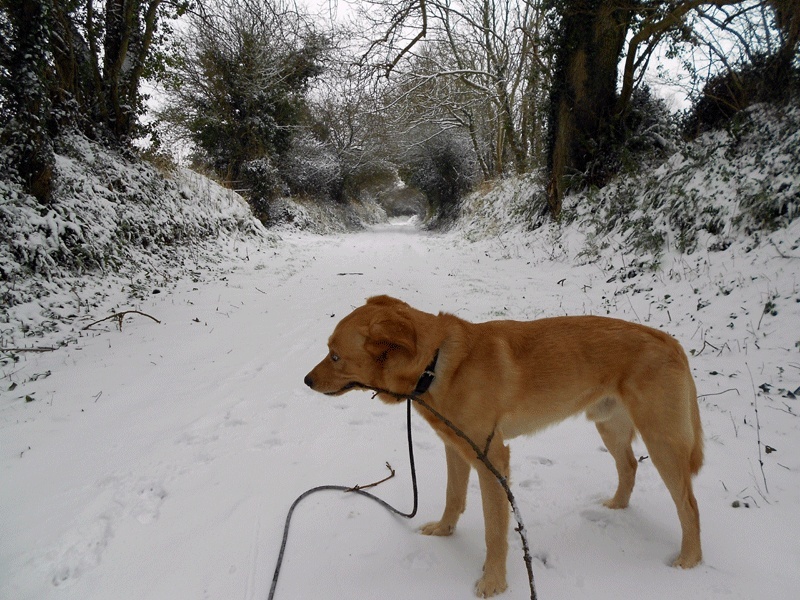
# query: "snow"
(158, 461)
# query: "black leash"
(355, 490)
(424, 382)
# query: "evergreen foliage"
(70, 65)
(26, 154)
(239, 93)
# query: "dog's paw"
(488, 586)
(437, 528)
(687, 562)
(615, 503)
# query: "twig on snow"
(781, 254)
(758, 430)
(39, 349)
(706, 343)
(119, 316)
(357, 487)
(719, 393)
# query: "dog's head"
(375, 346)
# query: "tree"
(238, 90)
(346, 118)
(787, 19)
(25, 102)
(589, 46)
(443, 168)
(65, 64)
(735, 55)
(479, 69)
(583, 97)
(587, 112)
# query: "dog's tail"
(696, 457)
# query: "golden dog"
(507, 378)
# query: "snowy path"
(158, 462)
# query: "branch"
(119, 316)
(39, 349)
(781, 254)
(357, 487)
(758, 430)
(718, 393)
(413, 42)
(655, 29)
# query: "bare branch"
(119, 316)
(357, 487)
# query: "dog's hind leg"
(617, 431)
(457, 480)
(672, 459)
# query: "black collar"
(426, 379)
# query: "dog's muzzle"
(309, 381)
(350, 386)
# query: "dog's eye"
(334, 357)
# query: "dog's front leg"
(495, 515)
(456, 502)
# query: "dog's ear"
(388, 334)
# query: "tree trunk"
(583, 94)
(27, 135)
(77, 89)
(787, 18)
(130, 25)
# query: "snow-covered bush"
(444, 168)
(765, 79)
(264, 183)
(111, 215)
(743, 178)
(646, 134)
(739, 181)
(312, 169)
(323, 217)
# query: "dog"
(501, 379)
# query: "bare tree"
(501, 59)
(345, 106)
(478, 68)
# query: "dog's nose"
(308, 381)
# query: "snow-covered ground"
(158, 462)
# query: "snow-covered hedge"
(731, 183)
(742, 180)
(323, 217)
(111, 217)
(120, 218)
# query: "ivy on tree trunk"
(583, 94)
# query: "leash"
(355, 490)
(482, 455)
(424, 382)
